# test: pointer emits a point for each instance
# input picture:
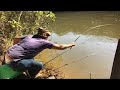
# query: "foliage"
(18, 23)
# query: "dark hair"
(42, 30)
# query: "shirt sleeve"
(49, 44)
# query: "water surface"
(100, 41)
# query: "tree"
(17, 23)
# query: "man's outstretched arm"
(63, 46)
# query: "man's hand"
(63, 46)
(72, 44)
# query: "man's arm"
(63, 46)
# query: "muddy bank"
(46, 73)
(50, 73)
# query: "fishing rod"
(55, 57)
(74, 61)
(90, 29)
(76, 40)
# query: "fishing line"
(90, 29)
(56, 57)
(75, 61)
(76, 40)
(60, 54)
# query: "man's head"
(43, 32)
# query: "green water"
(102, 41)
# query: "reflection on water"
(78, 22)
(99, 64)
(101, 40)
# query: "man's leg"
(31, 65)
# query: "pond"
(95, 48)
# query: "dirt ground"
(49, 73)
(46, 73)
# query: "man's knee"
(40, 65)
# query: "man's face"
(47, 34)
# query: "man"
(22, 53)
